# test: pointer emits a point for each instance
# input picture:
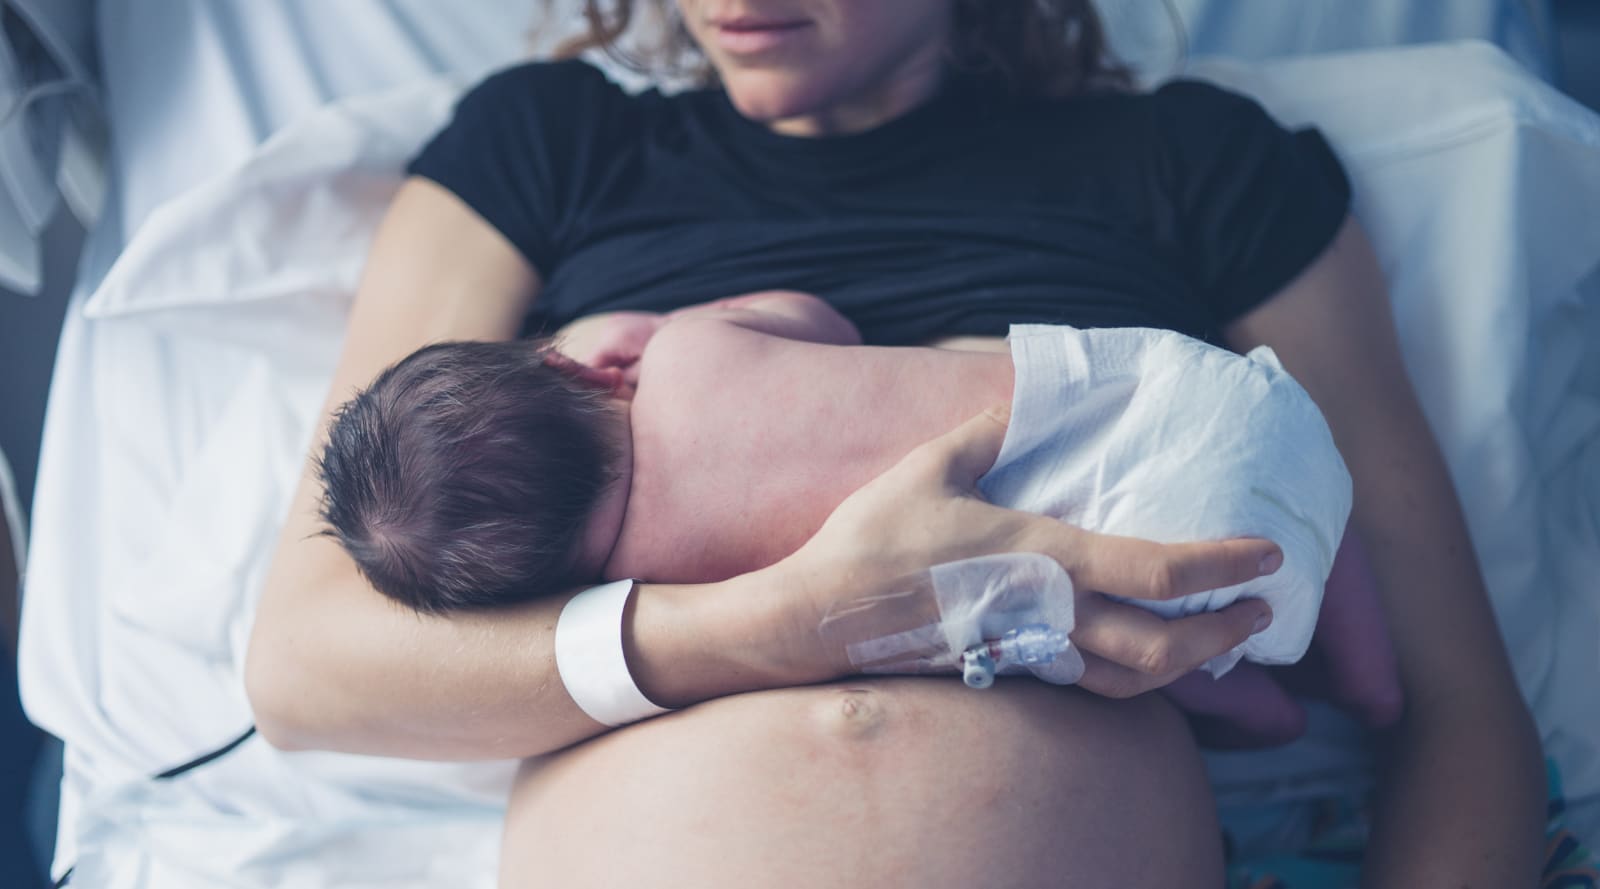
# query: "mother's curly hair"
(1037, 47)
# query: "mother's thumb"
(969, 450)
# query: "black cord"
(204, 758)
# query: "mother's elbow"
(274, 699)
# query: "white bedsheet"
(192, 88)
(195, 371)
(234, 73)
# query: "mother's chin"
(882, 782)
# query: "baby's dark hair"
(463, 477)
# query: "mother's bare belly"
(916, 782)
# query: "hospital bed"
(254, 146)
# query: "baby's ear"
(609, 379)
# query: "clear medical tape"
(982, 617)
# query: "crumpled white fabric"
(1148, 433)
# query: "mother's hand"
(926, 510)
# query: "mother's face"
(816, 66)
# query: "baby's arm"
(618, 339)
(783, 313)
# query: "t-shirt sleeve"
(1254, 203)
(517, 148)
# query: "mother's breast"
(883, 782)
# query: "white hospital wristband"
(590, 661)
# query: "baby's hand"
(614, 339)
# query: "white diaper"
(1152, 434)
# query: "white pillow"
(294, 221)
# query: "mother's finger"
(968, 451)
(1151, 645)
(1142, 569)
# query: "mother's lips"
(745, 36)
(747, 23)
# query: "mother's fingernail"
(1271, 562)
(1262, 622)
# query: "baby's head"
(465, 476)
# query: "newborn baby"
(715, 440)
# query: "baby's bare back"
(745, 442)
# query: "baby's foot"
(1352, 661)
(1245, 709)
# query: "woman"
(929, 166)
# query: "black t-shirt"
(1183, 208)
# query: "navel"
(858, 713)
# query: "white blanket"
(215, 333)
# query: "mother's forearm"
(1458, 803)
(334, 666)
(1462, 802)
